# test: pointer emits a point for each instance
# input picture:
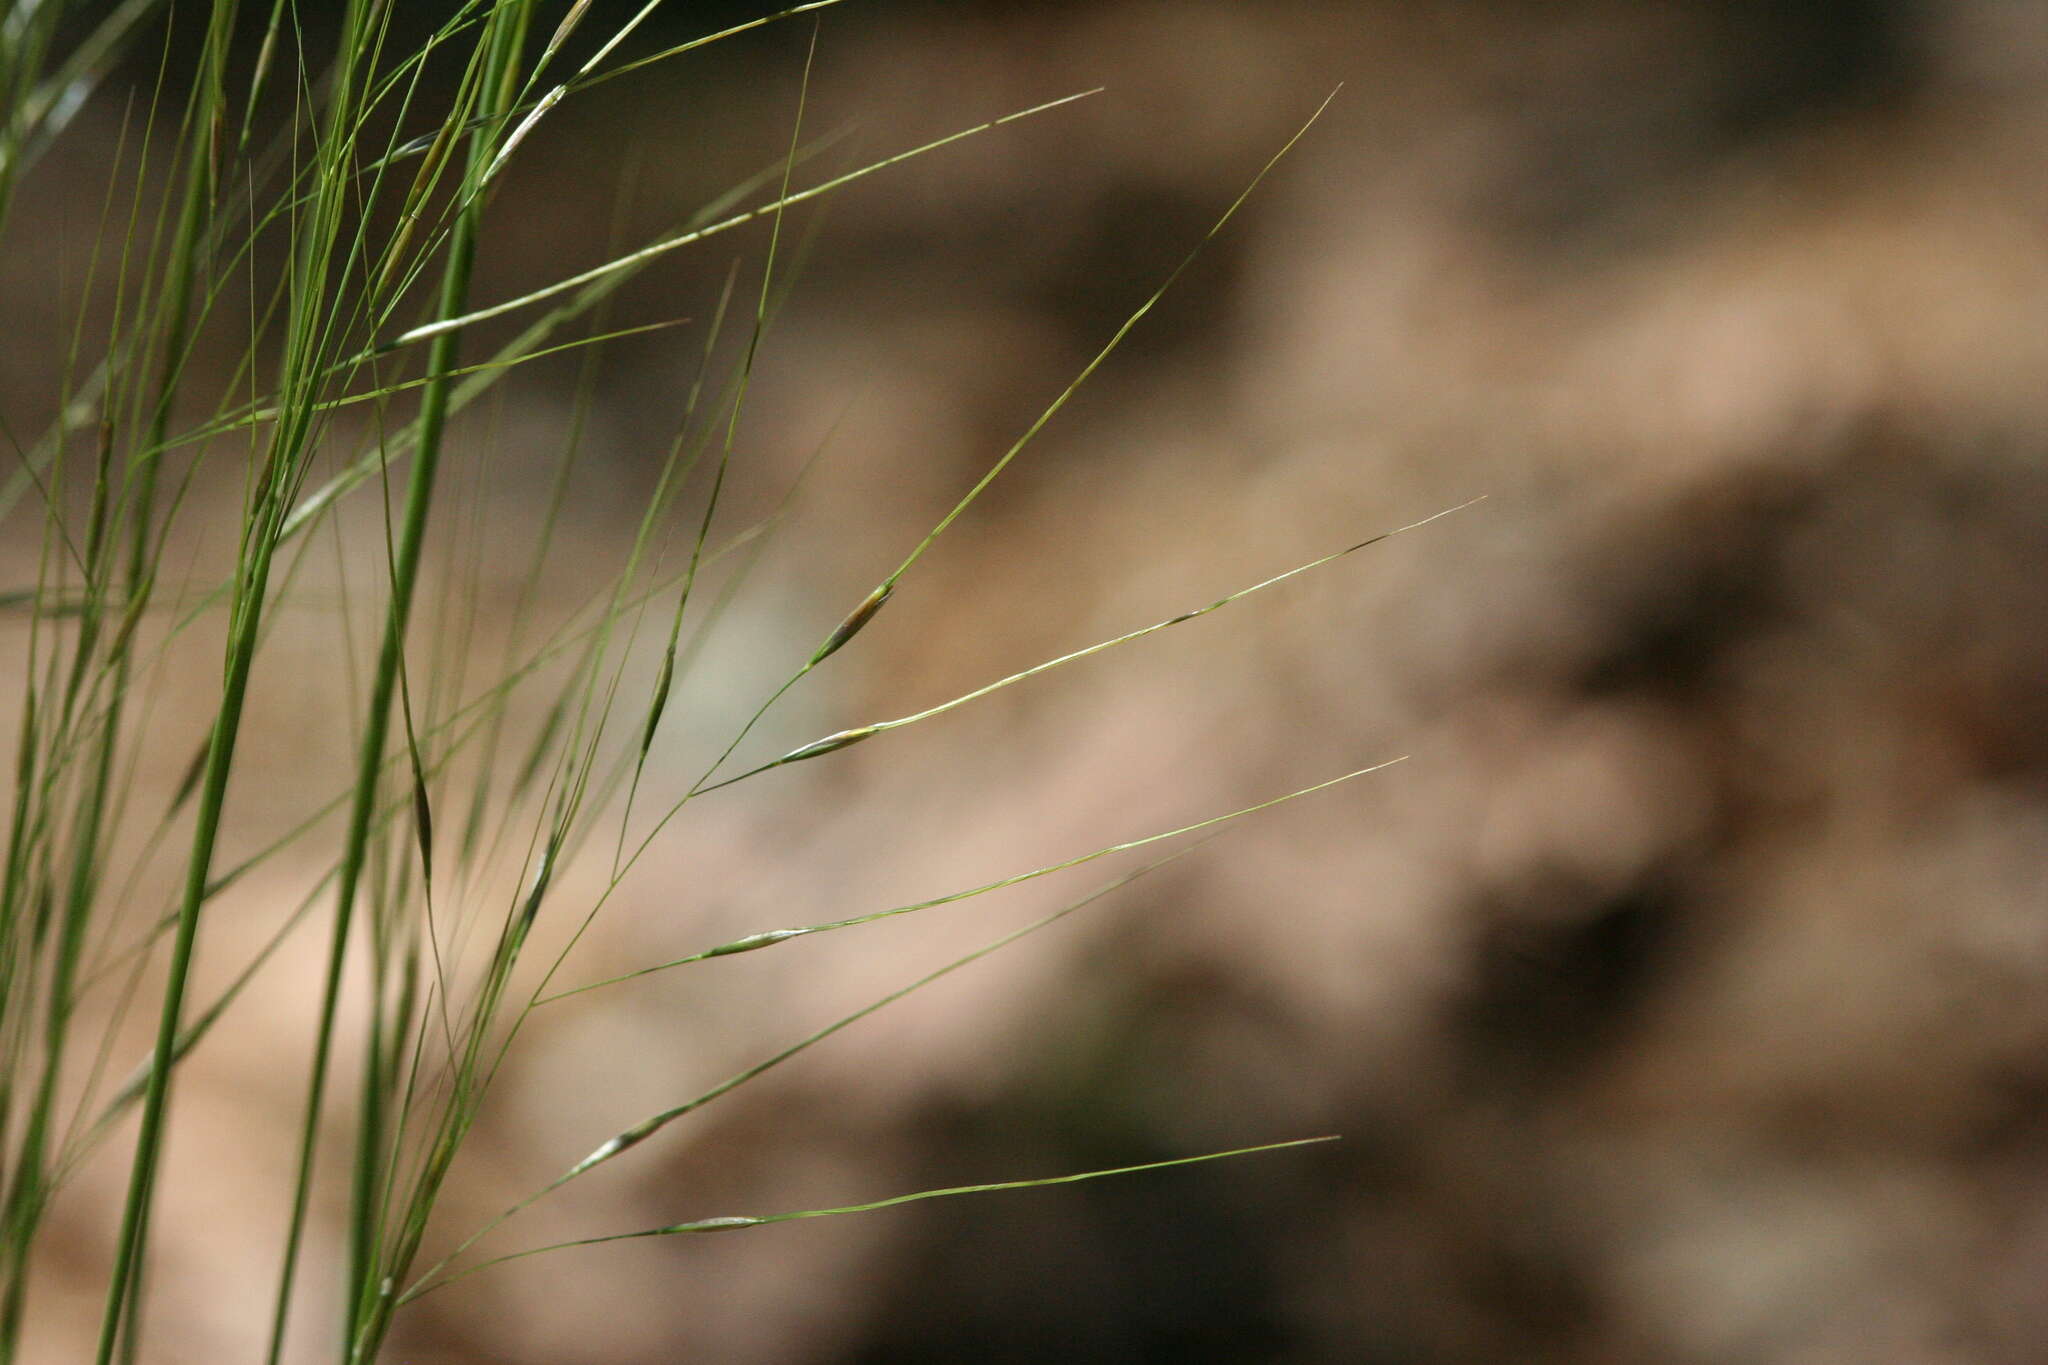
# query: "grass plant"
(312, 205)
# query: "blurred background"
(1683, 997)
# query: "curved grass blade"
(733, 1223)
(845, 738)
(770, 937)
(663, 247)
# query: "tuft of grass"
(313, 210)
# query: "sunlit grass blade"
(529, 340)
(845, 738)
(661, 248)
(236, 422)
(731, 1223)
(768, 938)
(588, 74)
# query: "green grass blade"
(770, 937)
(733, 1223)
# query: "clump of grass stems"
(324, 213)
